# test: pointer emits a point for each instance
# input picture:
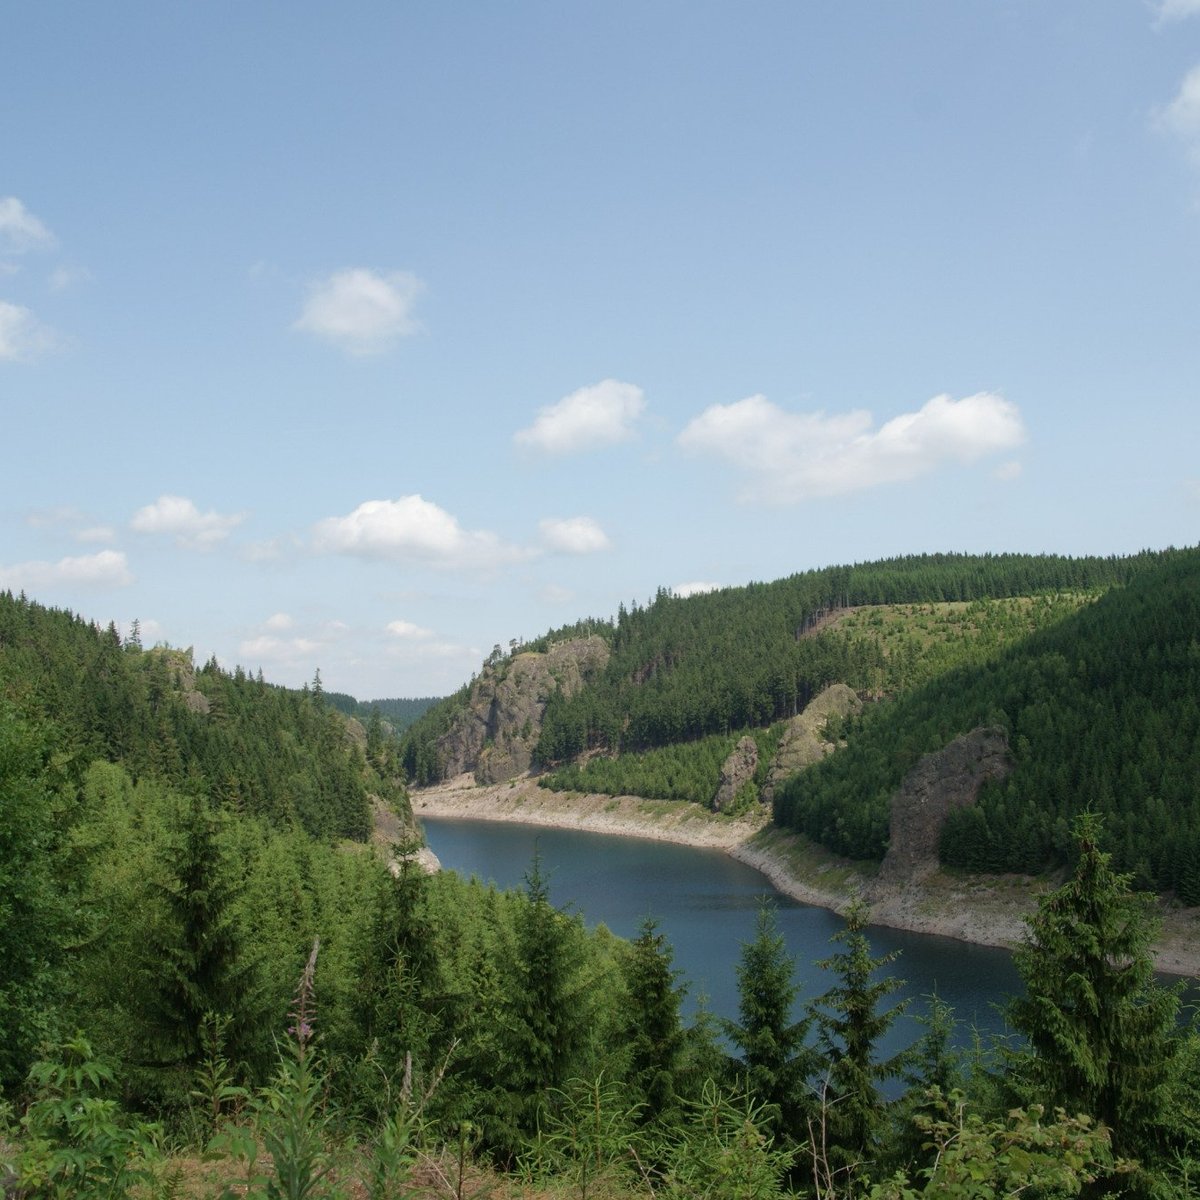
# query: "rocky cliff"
(804, 741)
(737, 771)
(948, 779)
(495, 735)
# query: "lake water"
(706, 904)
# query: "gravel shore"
(988, 910)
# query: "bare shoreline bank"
(987, 911)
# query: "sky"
(363, 337)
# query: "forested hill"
(397, 713)
(267, 751)
(738, 658)
(1090, 666)
(1102, 710)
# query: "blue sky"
(366, 336)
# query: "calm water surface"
(706, 904)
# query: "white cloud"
(278, 621)
(64, 278)
(361, 311)
(408, 631)
(695, 588)
(793, 456)
(411, 529)
(573, 535)
(178, 515)
(1176, 10)
(22, 336)
(96, 533)
(600, 415)
(106, 568)
(1007, 470)
(20, 230)
(286, 651)
(555, 593)
(1182, 116)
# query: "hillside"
(266, 751)
(1076, 661)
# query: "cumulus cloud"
(361, 311)
(695, 588)
(192, 529)
(411, 529)
(22, 336)
(20, 230)
(1182, 116)
(279, 621)
(106, 568)
(573, 535)
(790, 457)
(592, 417)
(408, 631)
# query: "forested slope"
(1103, 712)
(267, 751)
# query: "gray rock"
(948, 779)
(803, 742)
(496, 734)
(737, 770)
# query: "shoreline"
(985, 910)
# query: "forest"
(1088, 665)
(212, 984)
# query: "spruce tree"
(654, 1031)
(773, 1054)
(199, 965)
(1102, 1034)
(851, 1023)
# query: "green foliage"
(653, 1029)
(850, 1024)
(1102, 709)
(33, 916)
(774, 1058)
(686, 771)
(1102, 1033)
(76, 1142)
(976, 1159)
(587, 1138)
(725, 1150)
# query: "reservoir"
(706, 903)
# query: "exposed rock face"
(948, 779)
(802, 743)
(496, 735)
(738, 769)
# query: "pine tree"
(1102, 1033)
(654, 1032)
(851, 1024)
(199, 966)
(548, 1016)
(773, 1054)
(32, 915)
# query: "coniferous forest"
(211, 983)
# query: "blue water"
(706, 904)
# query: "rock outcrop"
(737, 771)
(949, 778)
(803, 742)
(495, 735)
